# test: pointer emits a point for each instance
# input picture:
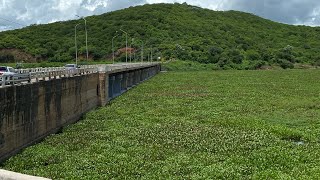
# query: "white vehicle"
(70, 66)
(7, 71)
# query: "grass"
(192, 125)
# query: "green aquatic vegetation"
(192, 125)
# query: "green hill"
(230, 39)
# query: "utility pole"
(151, 53)
(75, 42)
(131, 49)
(142, 52)
(126, 44)
(113, 47)
(85, 26)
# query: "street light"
(75, 42)
(151, 53)
(131, 48)
(113, 47)
(85, 26)
(126, 44)
(142, 52)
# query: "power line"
(13, 22)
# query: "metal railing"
(31, 75)
(14, 79)
(118, 66)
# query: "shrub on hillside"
(256, 64)
(188, 66)
(285, 64)
(6, 57)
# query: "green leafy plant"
(192, 125)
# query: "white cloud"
(95, 5)
(5, 28)
(44, 11)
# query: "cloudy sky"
(18, 13)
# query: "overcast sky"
(19, 13)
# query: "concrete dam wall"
(30, 112)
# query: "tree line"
(229, 39)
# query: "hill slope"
(230, 39)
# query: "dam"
(53, 99)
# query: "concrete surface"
(8, 175)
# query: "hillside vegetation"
(228, 39)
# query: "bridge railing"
(14, 79)
(23, 76)
(59, 73)
(31, 75)
(123, 66)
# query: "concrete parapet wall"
(8, 175)
(30, 112)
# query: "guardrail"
(31, 75)
(37, 74)
(14, 79)
(123, 66)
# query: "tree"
(252, 55)
(285, 64)
(287, 53)
(235, 56)
(214, 54)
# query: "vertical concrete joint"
(103, 89)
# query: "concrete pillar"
(130, 79)
(145, 74)
(149, 73)
(117, 85)
(152, 70)
(141, 75)
(110, 86)
(124, 83)
(136, 76)
(134, 73)
(119, 78)
(103, 88)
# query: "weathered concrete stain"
(2, 109)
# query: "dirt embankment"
(15, 55)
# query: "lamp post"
(131, 48)
(113, 47)
(151, 53)
(126, 44)
(85, 26)
(130, 51)
(75, 42)
(142, 52)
